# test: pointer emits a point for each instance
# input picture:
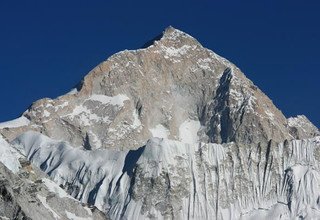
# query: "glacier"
(171, 179)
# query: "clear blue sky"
(46, 47)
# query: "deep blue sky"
(46, 47)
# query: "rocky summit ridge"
(172, 131)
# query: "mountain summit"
(160, 91)
(173, 130)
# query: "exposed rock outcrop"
(174, 80)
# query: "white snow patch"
(72, 91)
(43, 200)
(297, 121)
(53, 187)
(115, 100)
(95, 139)
(46, 113)
(188, 131)
(72, 216)
(269, 114)
(241, 98)
(8, 156)
(136, 120)
(19, 122)
(176, 52)
(48, 104)
(61, 106)
(298, 172)
(277, 211)
(205, 64)
(237, 96)
(303, 123)
(88, 210)
(84, 114)
(160, 131)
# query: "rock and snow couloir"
(172, 131)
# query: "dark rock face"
(8, 206)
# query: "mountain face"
(169, 131)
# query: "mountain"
(172, 131)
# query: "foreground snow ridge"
(168, 178)
(22, 121)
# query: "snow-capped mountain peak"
(172, 130)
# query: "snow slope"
(22, 121)
(8, 156)
(27, 193)
(172, 179)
